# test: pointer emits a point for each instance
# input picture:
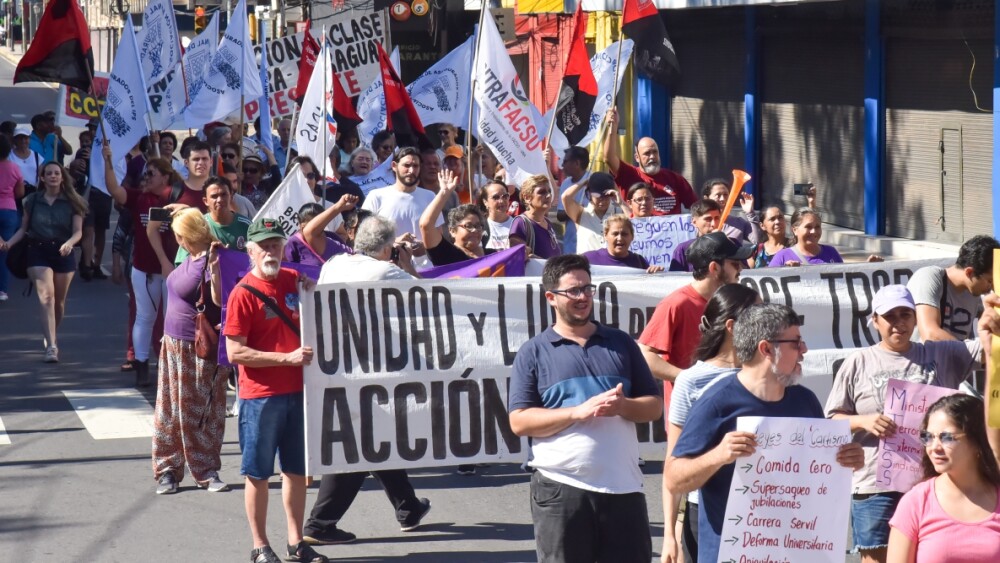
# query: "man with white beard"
(262, 338)
(670, 189)
(770, 347)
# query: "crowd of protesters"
(714, 347)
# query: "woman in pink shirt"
(11, 191)
(952, 516)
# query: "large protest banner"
(414, 374)
(790, 500)
(900, 454)
(657, 237)
(353, 52)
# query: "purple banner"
(506, 263)
(233, 265)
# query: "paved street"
(74, 488)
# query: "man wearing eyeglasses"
(769, 345)
(859, 395)
(577, 390)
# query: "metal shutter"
(937, 142)
(812, 119)
(707, 111)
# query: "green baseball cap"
(263, 229)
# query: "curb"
(15, 59)
(10, 56)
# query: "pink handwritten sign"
(899, 455)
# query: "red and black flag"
(579, 88)
(401, 116)
(60, 51)
(310, 50)
(346, 116)
(653, 54)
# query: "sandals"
(305, 553)
(264, 555)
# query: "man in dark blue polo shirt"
(577, 389)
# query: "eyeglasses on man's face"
(577, 292)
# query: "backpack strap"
(270, 304)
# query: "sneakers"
(466, 470)
(412, 522)
(167, 485)
(304, 552)
(51, 355)
(329, 537)
(213, 484)
(3, 296)
(264, 555)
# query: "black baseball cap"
(715, 247)
(600, 182)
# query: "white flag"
(159, 42)
(380, 177)
(371, 105)
(287, 199)
(314, 137)
(506, 122)
(603, 65)
(125, 108)
(231, 79)
(441, 94)
(199, 54)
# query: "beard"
(409, 180)
(785, 379)
(651, 169)
(270, 267)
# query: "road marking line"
(112, 413)
(4, 438)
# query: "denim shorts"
(269, 426)
(45, 254)
(870, 516)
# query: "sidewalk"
(14, 56)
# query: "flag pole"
(472, 91)
(614, 92)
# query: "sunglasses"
(228, 156)
(251, 170)
(500, 196)
(948, 439)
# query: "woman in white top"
(494, 201)
(604, 202)
(715, 358)
(26, 159)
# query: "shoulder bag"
(206, 337)
(17, 255)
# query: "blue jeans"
(870, 516)
(269, 426)
(9, 223)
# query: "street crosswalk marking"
(112, 413)
(4, 438)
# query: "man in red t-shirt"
(670, 189)
(672, 334)
(262, 338)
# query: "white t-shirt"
(358, 267)
(404, 208)
(29, 166)
(499, 234)
(590, 230)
